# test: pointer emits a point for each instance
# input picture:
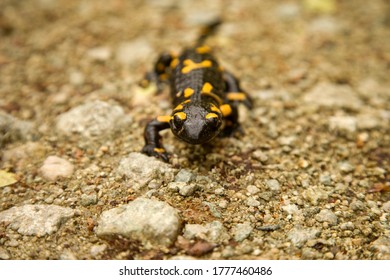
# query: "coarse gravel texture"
(309, 179)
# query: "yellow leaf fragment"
(7, 178)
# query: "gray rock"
(184, 175)
(4, 255)
(386, 206)
(54, 167)
(333, 96)
(97, 250)
(250, 201)
(260, 156)
(134, 51)
(325, 179)
(292, 209)
(242, 231)
(37, 220)
(183, 188)
(141, 169)
(369, 121)
(299, 236)
(99, 53)
(88, 199)
(347, 226)
(13, 129)
(357, 205)
(328, 216)
(315, 194)
(252, 189)
(382, 247)
(147, 220)
(92, 120)
(346, 167)
(343, 123)
(273, 185)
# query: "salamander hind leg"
(160, 72)
(234, 93)
(230, 114)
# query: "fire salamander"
(205, 97)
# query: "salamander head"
(196, 123)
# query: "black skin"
(204, 96)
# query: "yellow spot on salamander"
(189, 65)
(178, 108)
(174, 63)
(188, 92)
(225, 109)
(236, 96)
(181, 115)
(159, 150)
(215, 109)
(164, 119)
(203, 49)
(207, 88)
(187, 101)
(211, 116)
(163, 77)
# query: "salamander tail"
(208, 30)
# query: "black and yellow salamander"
(205, 97)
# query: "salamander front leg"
(153, 144)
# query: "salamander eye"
(213, 119)
(178, 120)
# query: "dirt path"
(308, 180)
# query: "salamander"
(205, 97)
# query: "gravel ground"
(310, 178)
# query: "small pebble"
(242, 231)
(252, 202)
(260, 156)
(386, 207)
(328, 216)
(252, 189)
(54, 167)
(88, 199)
(212, 232)
(99, 53)
(273, 185)
(326, 179)
(346, 167)
(184, 175)
(299, 235)
(97, 250)
(4, 255)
